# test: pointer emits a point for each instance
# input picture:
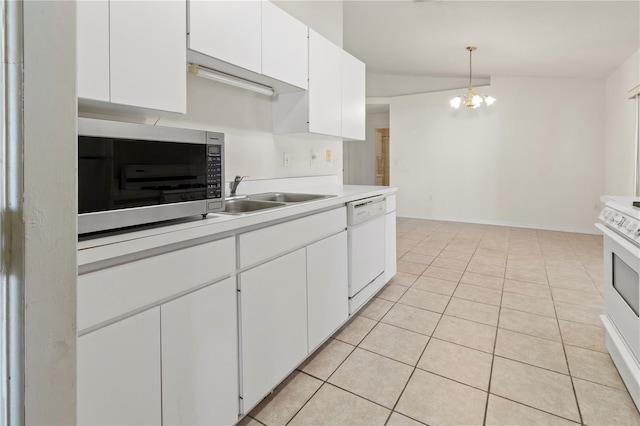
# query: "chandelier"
(471, 99)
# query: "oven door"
(621, 287)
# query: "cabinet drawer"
(113, 292)
(269, 242)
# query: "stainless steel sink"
(288, 197)
(244, 205)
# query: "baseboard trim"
(593, 231)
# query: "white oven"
(621, 228)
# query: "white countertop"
(101, 248)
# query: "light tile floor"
(482, 325)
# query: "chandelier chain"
(470, 53)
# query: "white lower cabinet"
(327, 287)
(119, 373)
(200, 357)
(273, 303)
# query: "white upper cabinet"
(325, 87)
(133, 53)
(353, 97)
(253, 40)
(284, 46)
(148, 54)
(93, 49)
(227, 30)
(334, 104)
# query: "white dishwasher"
(366, 234)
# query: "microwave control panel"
(623, 223)
(215, 172)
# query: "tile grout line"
(495, 342)
(423, 350)
(564, 350)
(393, 410)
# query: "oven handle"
(619, 240)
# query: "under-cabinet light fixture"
(471, 99)
(231, 80)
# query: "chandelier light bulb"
(455, 102)
(477, 100)
(489, 99)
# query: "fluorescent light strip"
(221, 77)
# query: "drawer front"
(113, 292)
(266, 243)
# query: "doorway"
(367, 162)
(382, 157)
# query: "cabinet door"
(148, 54)
(200, 357)
(325, 92)
(227, 30)
(285, 47)
(273, 302)
(119, 372)
(367, 252)
(327, 287)
(389, 246)
(353, 97)
(92, 23)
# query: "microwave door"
(94, 185)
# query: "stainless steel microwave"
(133, 174)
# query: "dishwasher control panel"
(366, 209)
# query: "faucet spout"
(235, 183)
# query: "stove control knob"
(622, 221)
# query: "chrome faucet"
(234, 185)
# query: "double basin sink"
(246, 204)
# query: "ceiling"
(421, 44)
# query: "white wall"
(50, 208)
(251, 149)
(620, 122)
(533, 159)
(360, 156)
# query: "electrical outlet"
(286, 159)
(328, 155)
